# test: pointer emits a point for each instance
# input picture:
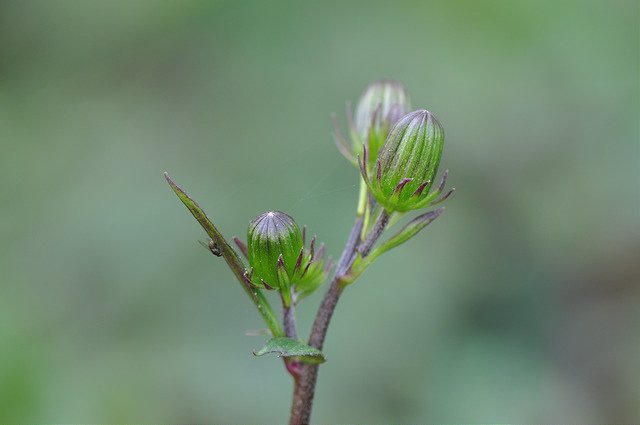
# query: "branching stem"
(376, 232)
(304, 387)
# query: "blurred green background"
(520, 304)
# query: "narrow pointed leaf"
(360, 263)
(230, 256)
(408, 231)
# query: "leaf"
(230, 256)
(410, 230)
(287, 347)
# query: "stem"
(304, 388)
(290, 331)
(376, 232)
(289, 319)
(350, 247)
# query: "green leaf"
(287, 347)
(408, 231)
(411, 229)
(230, 256)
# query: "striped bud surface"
(382, 104)
(402, 175)
(273, 237)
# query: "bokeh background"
(520, 304)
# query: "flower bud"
(274, 243)
(380, 106)
(407, 164)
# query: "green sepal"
(283, 280)
(310, 271)
(287, 347)
(312, 279)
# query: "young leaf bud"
(274, 242)
(406, 165)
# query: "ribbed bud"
(382, 104)
(274, 243)
(407, 164)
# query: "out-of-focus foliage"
(519, 304)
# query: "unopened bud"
(382, 104)
(274, 242)
(407, 164)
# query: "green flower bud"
(274, 243)
(278, 258)
(382, 104)
(407, 164)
